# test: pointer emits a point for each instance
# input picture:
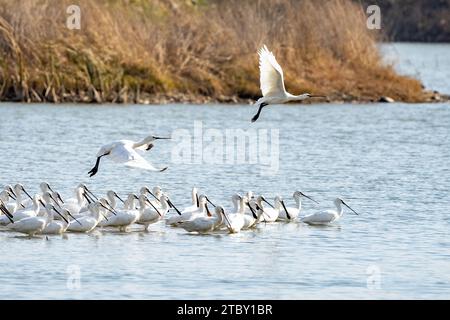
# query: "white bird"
(31, 225)
(156, 193)
(125, 152)
(201, 211)
(5, 211)
(239, 220)
(272, 83)
(269, 214)
(204, 224)
(195, 201)
(25, 213)
(289, 214)
(22, 203)
(57, 226)
(76, 203)
(122, 219)
(9, 199)
(149, 213)
(5, 197)
(111, 197)
(327, 216)
(89, 222)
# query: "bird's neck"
(144, 141)
(300, 97)
(340, 209)
(298, 202)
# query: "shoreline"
(94, 97)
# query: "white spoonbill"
(125, 152)
(195, 201)
(149, 213)
(327, 216)
(269, 214)
(89, 222)
(272, 83)
(25, 213)
(23, 203)
(126, 217)
(5, 211)
(57, 226)
(239, 220)
(31, 225)
(201, 211)
(5, 197)
(111, 196)
(289, 214)
(205, 224)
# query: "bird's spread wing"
(130, 158)
(271, 74)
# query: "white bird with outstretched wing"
(125, 152)
(272, 83)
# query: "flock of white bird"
(47, 213)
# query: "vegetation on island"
(159, 51)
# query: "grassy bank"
(177, 50)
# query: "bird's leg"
(94, 170)
(256, 116)
(150, 145)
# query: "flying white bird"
(125, 152)
(272, 83)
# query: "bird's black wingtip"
(164, 169)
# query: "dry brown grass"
(137, 50)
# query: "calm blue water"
(390, 161)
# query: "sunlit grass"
(136, 50)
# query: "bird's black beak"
(70, 215)
(31, 198)
(41, 202)
(171, 204)
(161, 138)
(149, 202)
(89, 200)
(207, 199)
(109, 209)
(54, 200)
(117, 196)
(208, 213)
(264, 199)
(151, 193)
(198, 202)
(90, 193)
(60, 199)
(60, 214)
(285, 209)
(6, 212)
(252, 210)
(350, 208)
(308, 197)
(11, 194)
(227, 220)
(50, 188)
